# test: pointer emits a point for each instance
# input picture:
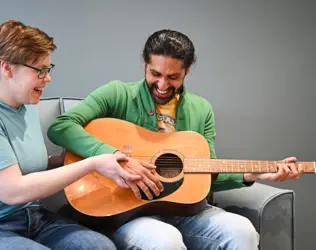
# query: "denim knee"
(148, 234)
(170, 239)
(245, 235)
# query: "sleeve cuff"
(105, 149)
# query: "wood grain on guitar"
(183, 166)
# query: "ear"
(187, 71)
(6, 69)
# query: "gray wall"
(255, 65)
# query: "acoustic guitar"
(183, 166)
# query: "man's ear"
(6, 69)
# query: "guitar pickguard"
(169, 188)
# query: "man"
(162, 103)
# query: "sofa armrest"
(270, 209)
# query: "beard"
(162, 100)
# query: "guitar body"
(99, 202)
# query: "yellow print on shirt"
(166, 116)
(166, 123)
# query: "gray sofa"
(271, 210)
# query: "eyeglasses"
(41, 73)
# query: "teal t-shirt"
(21, 142)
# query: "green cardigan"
(132, 102)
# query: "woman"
(25, 60)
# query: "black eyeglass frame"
(40, 71)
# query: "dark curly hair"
(170, 43)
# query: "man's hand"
(286, 170)
(148, 180)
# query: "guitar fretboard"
(195, 165)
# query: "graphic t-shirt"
(166, 116)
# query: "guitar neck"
(194, 165)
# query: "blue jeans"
(212, 229)
(35, 228)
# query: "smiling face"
(164, 76)
(24, 51)
(22, 83)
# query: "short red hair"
(20, 43)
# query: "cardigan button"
(151, 112)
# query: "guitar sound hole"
(168, 165)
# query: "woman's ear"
(6, 69)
